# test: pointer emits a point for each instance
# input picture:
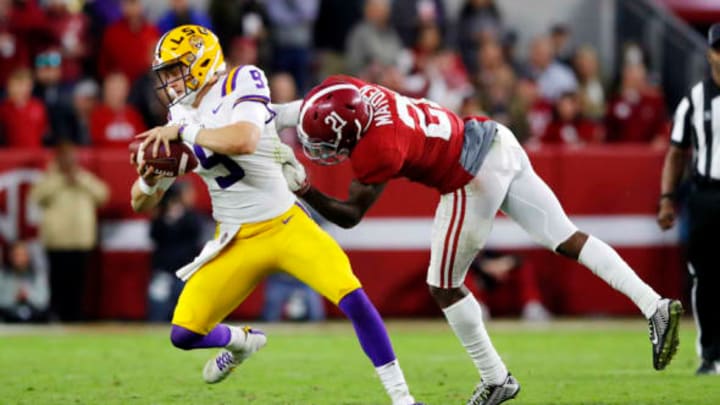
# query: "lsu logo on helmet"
(188, 53)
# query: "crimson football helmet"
(332, 119)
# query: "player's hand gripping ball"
(181, 159)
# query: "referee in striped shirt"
(697, 125)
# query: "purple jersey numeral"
(255, 74)
(236, 172)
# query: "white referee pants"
(464, 218)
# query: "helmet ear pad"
(333, 117)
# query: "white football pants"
(464, 218)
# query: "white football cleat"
(487, 394)
(219, 367)
(664, 334)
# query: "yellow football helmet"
(190, 53)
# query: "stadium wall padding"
(610, 191)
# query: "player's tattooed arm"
(346, 213)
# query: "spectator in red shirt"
(127, 44)
(569, 126)
(23, 119)
(114, 122)
(637, 112)
(14, 51)
(27, 21)
(530, 113)
(438, 73)
(70, 33)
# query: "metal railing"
(675, 52)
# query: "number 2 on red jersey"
(429, 116)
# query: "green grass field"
(569, 362)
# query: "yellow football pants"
(292, 242)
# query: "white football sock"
(393, 380)
(238, 337)
(605, 263)
(465, 319)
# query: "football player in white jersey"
(226, 118)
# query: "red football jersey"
(412, 138)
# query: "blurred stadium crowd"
(79, 70)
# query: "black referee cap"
(714, 35)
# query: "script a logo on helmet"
(336, 123)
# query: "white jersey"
(243, 188)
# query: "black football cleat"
(708, 368)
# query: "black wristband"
(668, 195)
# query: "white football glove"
(296, 178)
(293, 171)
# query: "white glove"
(293, 171)
(296, 178)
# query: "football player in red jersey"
(479, 168)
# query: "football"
(181, 160)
